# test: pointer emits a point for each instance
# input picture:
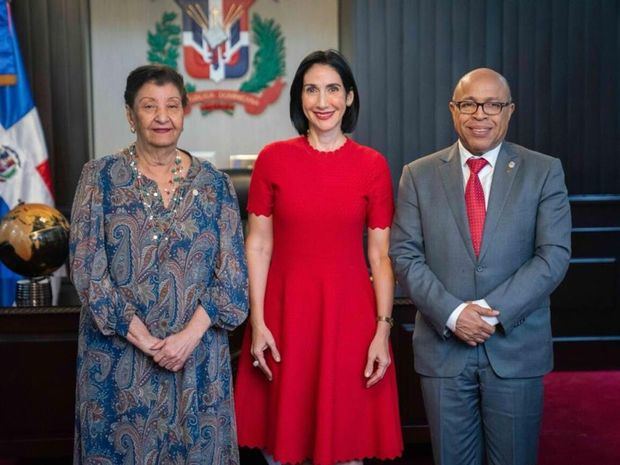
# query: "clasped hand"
(172, 352)
(471, 328)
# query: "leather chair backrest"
(240, 178)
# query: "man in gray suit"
(480, 239)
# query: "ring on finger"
(255, 363)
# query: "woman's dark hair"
(334, 59)
(158, 74)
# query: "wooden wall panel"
(53, 36)
(559, 56)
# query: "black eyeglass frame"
(459, 103)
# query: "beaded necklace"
(159, 219)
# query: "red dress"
(320, 307)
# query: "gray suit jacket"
(524, 256)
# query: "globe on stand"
(34, 242)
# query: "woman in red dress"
(315, 381)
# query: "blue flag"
(24, 167)
(8, 70)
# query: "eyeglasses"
(469, 107)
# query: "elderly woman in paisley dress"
(157, 259)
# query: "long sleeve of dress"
(111, 310)
(226, 296)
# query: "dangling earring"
(132, 129)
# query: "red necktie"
(474, 201)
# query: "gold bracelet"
(388, 319)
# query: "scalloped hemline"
(383, 228)
(260, 213)
(335, 462)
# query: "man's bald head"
(481, 75)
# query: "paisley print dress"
(128, 409)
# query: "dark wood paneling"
(38, 349)
(54, 38)
(559, 56)
(412, 413)
(587, 303)
(586, 354)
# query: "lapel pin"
(511, 165)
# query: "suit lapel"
(506, 169)
(451, 174)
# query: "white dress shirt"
(486, 177)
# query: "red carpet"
(581, 422)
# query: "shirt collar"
(490, 156)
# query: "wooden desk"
(38, 349)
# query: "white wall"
(119, 44)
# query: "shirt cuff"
(451, 323)
(492, 320)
